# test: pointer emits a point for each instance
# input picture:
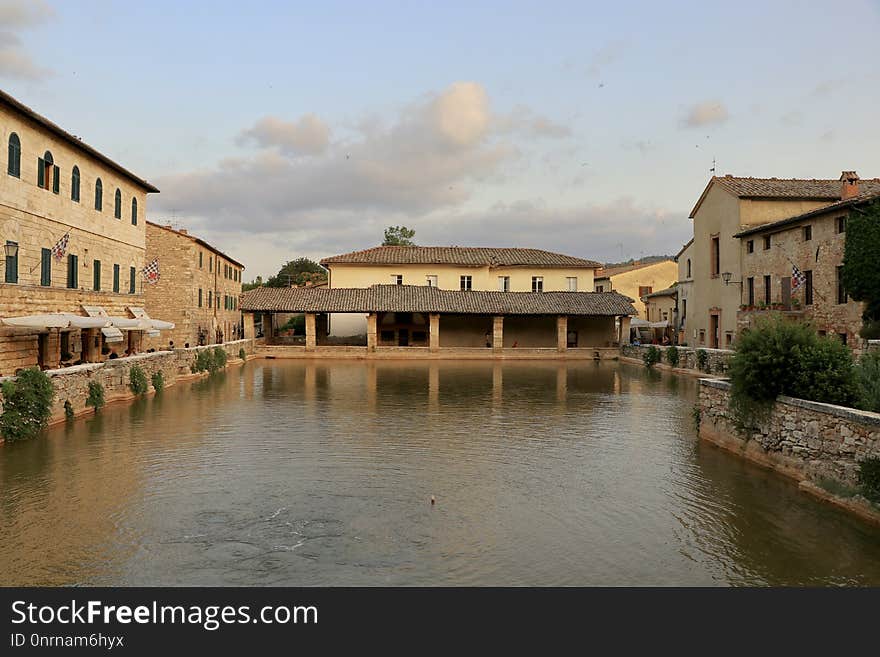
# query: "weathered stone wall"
(71, 383)
(803, 439)
(718, 359)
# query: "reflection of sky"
(601, 120)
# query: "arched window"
(74, 184)
(134, 212)
(689, 267)
(47, 172)
(117, 206)
(14, 168)
(99, 195)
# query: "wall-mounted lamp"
(11, 249)
(726, 276)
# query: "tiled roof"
(668, 292)
(784, 188)
(683, 249)
(197, 240)
(460, 255)
(615, 271)
(424, 299)
(840, 205)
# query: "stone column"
(249, 331)
(562, 333)
(53, 349)
(372, 320)
(623, 338)
(434, 332)
(90, 353)
(497, 333)
(310, 332)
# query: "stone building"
(814, 243)
(198, 288)
(683, 323)
(55, 185)
(637, 280)
(728, 206)
(662, 306)
(454, 268)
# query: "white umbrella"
(50, 320)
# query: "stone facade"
(35, 217)
(198, 289)
(717, 360)
(803, 439)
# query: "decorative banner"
(60, 247)
(151, 272)
(797, 277)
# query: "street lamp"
(11, 249)
(726, 276)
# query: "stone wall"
(719, 359)
(71, 383)
(803, 439)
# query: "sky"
(276, 130)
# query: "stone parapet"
(718, 360)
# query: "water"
(296, 473)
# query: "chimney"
(182, 231)
(849, 185)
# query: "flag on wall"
(60, 247)
(797, 277)
(151, 272)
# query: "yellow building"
(637, 280)
(455, 268)
(56, 185)
(198, 288)
(728, 206)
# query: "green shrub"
(158, 380)
(869, 478)
(68, 409)
(787, 358)
(242, 354)
(702, 360)
(137, 380)
(27, 404)
(297, 323)
(868, 381)
(204, 361)
(95, 398)
(651, 356)
(220, 358)
(672, 356)
(861, 277)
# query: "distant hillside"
(643, 261)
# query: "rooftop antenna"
(712, 170)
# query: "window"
(99, 195)
(14, 165)
(766, 242)
(117, 204)
(131, 280)
(841, 290)
(200, 259)
(200, 297)
(715, 255)
(210, 300)
(431, 280)
(211, 263)
(46, 267)
(134, 212)
(537, 283)
(504, 283)
(45, 166)
(397, 279)
(572, 282)
(728, 338)
(767, 290)
(74, 184)
(645, 289)
(116, 278)
(689, 268)
(808, 288)
(808, 233)
(841, 225)
(72, 271)
(842, 337)
(600, 288)
(217, 298)
(12, 265)
(702, 336)
(96, 275)
(750, 291)
(750, 246)
(684, 310)
(465, 282)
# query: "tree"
(257, 282)
(298, 272)
(399, 236)
(861, 276)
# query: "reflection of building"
(455, 268)
(198, 288)
(56, 185)
(636, 280)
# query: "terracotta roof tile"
(460, 255)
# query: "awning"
(55, 320)
(155, 325)
(112, 334)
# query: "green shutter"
(200, 297)
(72, 271)
(116, 278)
(46, 267)
(131, 280)
(96, 278)
(56, 180)
(41, 172)
(11, 267)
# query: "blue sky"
(280, 129)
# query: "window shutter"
(41, 172)
(131, 280)
(56, 179)
(46, 267)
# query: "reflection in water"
(297, 473)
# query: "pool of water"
(305, 473)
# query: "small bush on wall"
(137, 380)
(702, 360)
(869, 478)
(651, 356)
(27, 404)
(672, 356)
(95, 398)
(158, 380)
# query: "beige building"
(455, 268)
(728, 206)
(198, 288)
(56, 185)
(684, 289)
(637, 280)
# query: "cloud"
(706, 113)
(427, 158)
(794, 118)
(308, 135)
(15, 15)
